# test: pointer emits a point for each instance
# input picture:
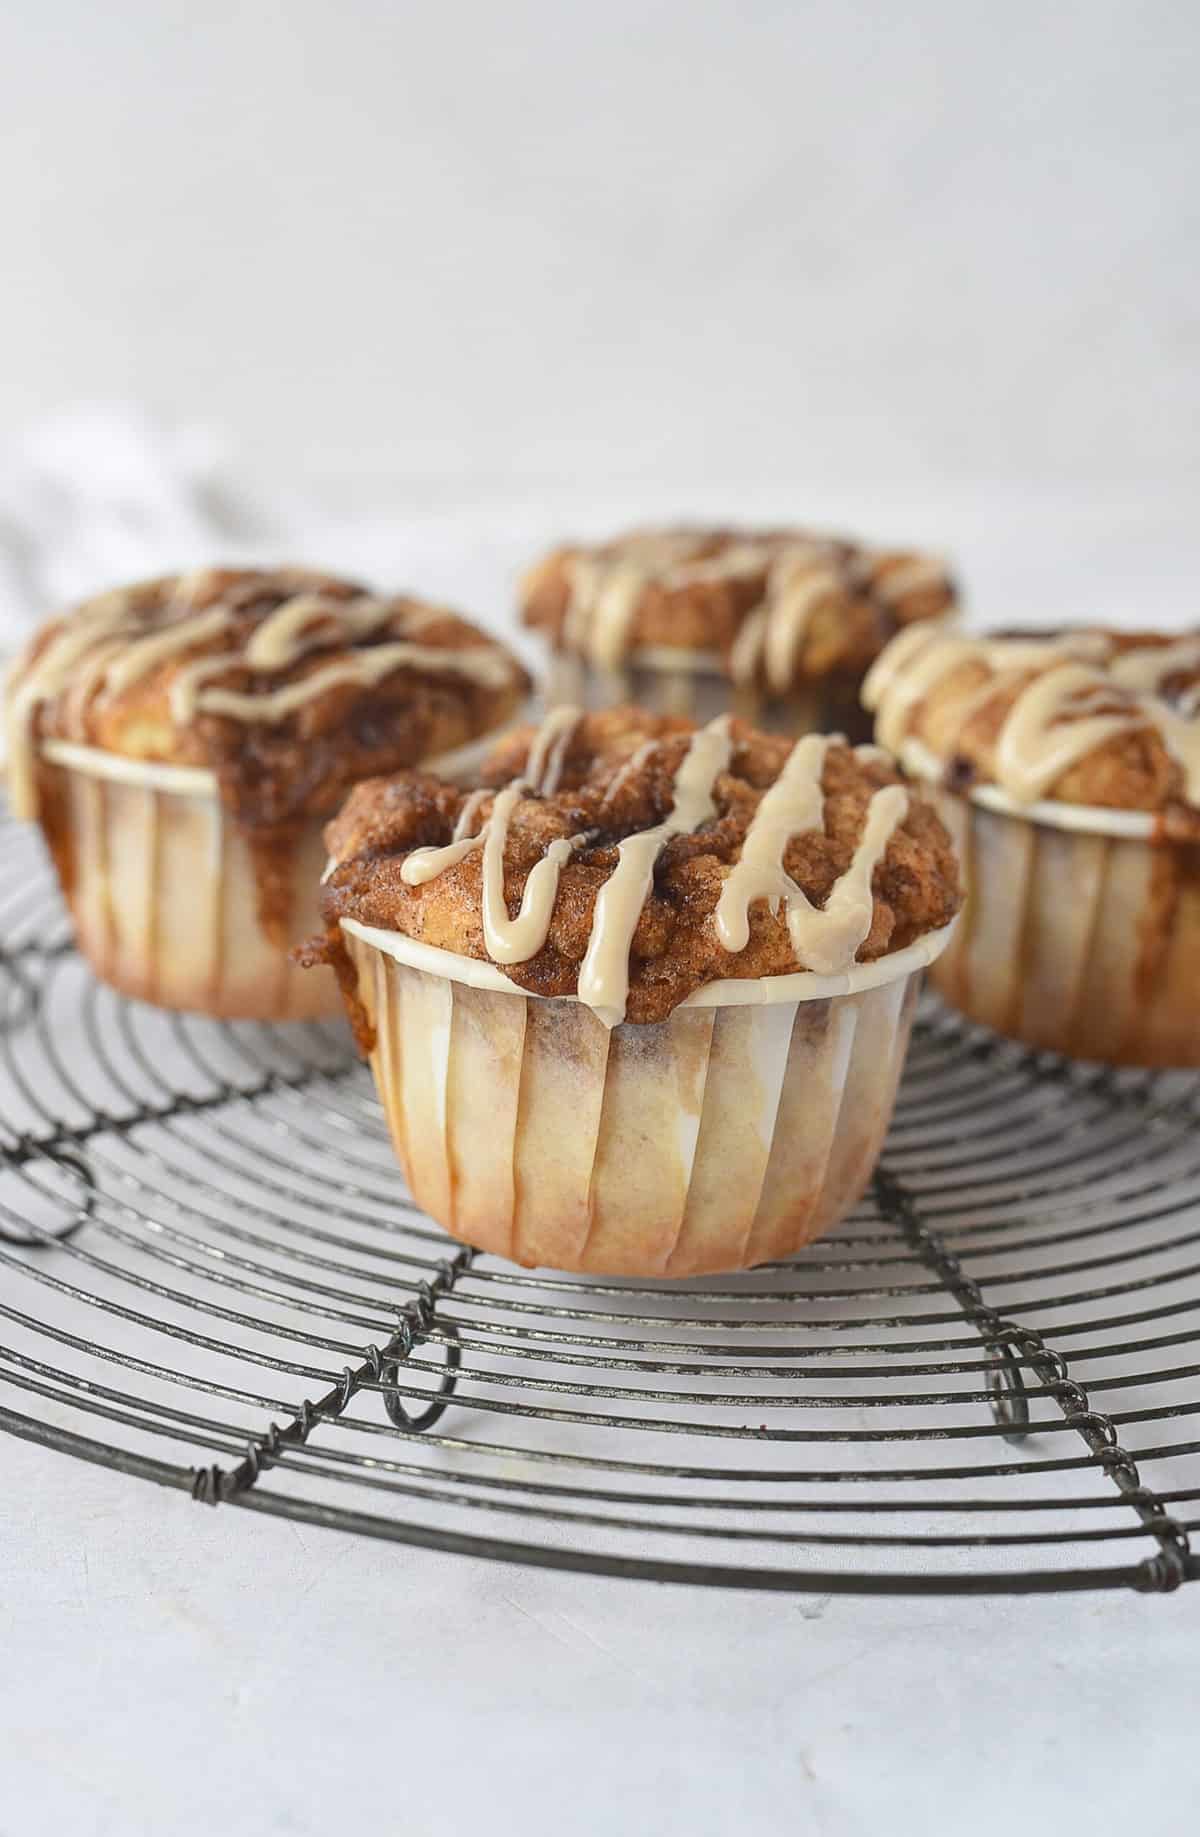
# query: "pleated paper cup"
(1081, 932)
(668, 679)
(730, 1134)
(163, 891)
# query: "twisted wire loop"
(213, 1485)
(38, 1237)
(1158, 1574)
(415, 1325)
(1008, 1400)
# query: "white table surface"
(169, 1669)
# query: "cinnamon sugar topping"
(604, 972)
(1088, 716)
(250, 647)
(629, 858)
(826, 939)
(778, 605)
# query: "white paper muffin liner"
(730, 1134)
(1081, 932)
(162, 889)
(672, 680)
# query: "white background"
(466, 247)
(445, 280)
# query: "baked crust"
(1149, 683)
(683, 600)
(273, 772)
(616, 778)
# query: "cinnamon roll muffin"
(638, 1003)
(1067, 766)
(777, 625)
(182, 742)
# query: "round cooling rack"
(211, 1276)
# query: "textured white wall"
(479, 248)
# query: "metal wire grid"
(211, 1276)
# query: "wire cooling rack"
(211, 1276)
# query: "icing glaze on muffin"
(287, 684)
(777, 607)
(1089, 717)
(629, 859)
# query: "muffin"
(1067, 767)
(638, 1003)
(183, 741)
(777, 626)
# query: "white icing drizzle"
(919, 659)
(1146, 670)
(426, 864)
(630, 769)
(605, 587)
(184, 694)
(613, 604)
(734, 562)
(796, 586)
(1084, 691)
(746, 651)
(135, 661)
(543, 769)
(1036, 745)
(32, 682)
(1009, 656)
(604, 972)
(826, 939)
(894, 584)
(903, 675)
(794, 803)
(548, 751)
(489, 668)
(1147, 667)
(115, 641)
(515, 940)
(280, 639)
(1180, 729)
(584, 574)
(465, 825)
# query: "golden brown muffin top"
(777, 607)
(630, 858)
(1093, 717)
(288, 684)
